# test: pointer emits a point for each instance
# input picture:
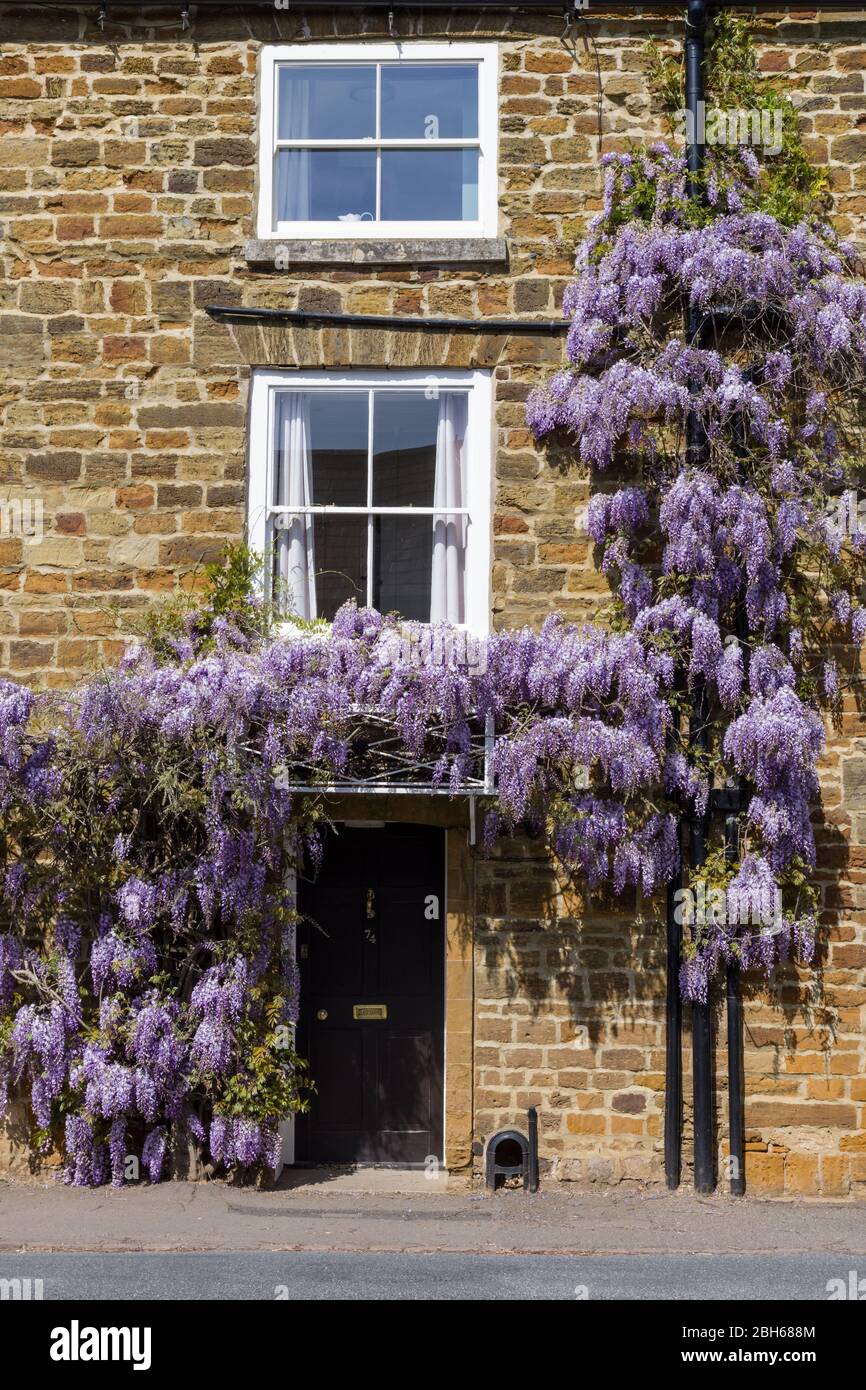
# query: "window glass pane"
(326, 185)
(326, 103)
(403, 558)
(338, 447)
(404, 449)
(429, 103)
(341, 562)
(429, 185)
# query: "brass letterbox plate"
(369, 1010)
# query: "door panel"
(405, 1091)
(340, 1051)
(372, 934)
(405, 967)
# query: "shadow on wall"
(541, 940)
(541, 936)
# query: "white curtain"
(449, 532)
(296, 568)
(293, 166)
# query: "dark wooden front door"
(372, 938)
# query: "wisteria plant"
(734, 553)
(148, 988)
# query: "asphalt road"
(331, 1275)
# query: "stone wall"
(127, 182)
(127, 187)
(569, 1017)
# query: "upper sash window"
(386, 140)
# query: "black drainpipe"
(702, 1120)
(673, 1046)
(732, 799)
(734, 1005)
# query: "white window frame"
(486, 55)
(479, 473)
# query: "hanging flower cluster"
(734, 559)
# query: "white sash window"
(374, 487)
(373, 140)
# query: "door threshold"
(372, 1179)
(361, 1166)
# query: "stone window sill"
(279, 254)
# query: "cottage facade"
(379, 175)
